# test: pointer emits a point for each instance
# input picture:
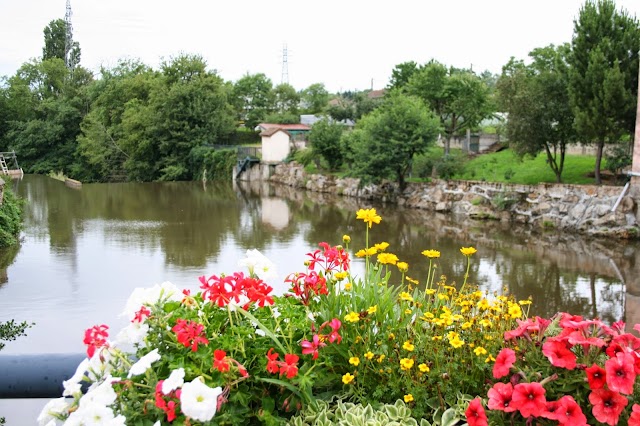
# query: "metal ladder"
(3, 165)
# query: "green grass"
(496, 167)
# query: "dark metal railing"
(36, 375)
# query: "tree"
(458, 97)
(253, 98)
(536, 98)
(287, 99)
(315, 98)
(341, 109)
(325, 141)
(55, 36)
(386, 140)
(401, 74)
(603, 78)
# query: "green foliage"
(219, 164)
(253, 98)
(459, 98)
(385, 141)
(10, 218)
(322, 413)
(603, 78)
(305, 156)
(10, 330)
(529, 171)
(282, 118)
(55, 36)
(286, 100)
(315, 98)
(504, 200)
(325, 141)
(618, 158)
(536, 98)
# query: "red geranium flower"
(597, 376)
(500, 397)
(607, 405)
(529, 399)
(272, 363)
(475, 414)
(621, 373)
(141, 314)
(190, 333)
(95, 337)
(559, 354)
(504, 361)
(569, 412)
(220, 360)
(634, 419)
(289, 366)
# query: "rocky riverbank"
(587, 209)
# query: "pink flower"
(621, 373)
(607, 405)
(504, 361)
(141, 314)
(500, 397)
(634, 419)
(529, 399)
(312, 347)
(335, 325)
(569, 412)
(559, 354)
(596, 376)
(475, 413)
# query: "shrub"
(10, 218)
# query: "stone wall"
(586, 209)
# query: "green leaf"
(449, 418)
(263, 328)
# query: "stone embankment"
(587, 209)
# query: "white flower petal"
(144, 363)
(199, 401)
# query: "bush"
(10, 218)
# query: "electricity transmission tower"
(285, 65)
(68, 39)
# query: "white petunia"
(133, 333)
(53, 408)
(175, 380)
(102, 394)
(93, 413)
(258, 264)
(199, 401)
(150, 296)
(144, 363)
(72, 386)
(101, 364)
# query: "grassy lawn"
(505, 166)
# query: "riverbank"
(587, 209)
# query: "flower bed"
(399, 349)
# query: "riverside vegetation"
(338, 349)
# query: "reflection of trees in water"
(7, 257)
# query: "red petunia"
(621, 373)
(220, 361)
(569, 412)
(529, 399)
(634, 419)
(504, 361)
(500, 397)
(475, 413)
(559, 355)
(289, 366)
(597, 376)
(272, 363)
(607, 405)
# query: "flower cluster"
(567, 369)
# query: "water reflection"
(85, 250)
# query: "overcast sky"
(347, 44)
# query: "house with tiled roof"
(278, 140)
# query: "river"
(84, 250)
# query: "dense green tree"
(536, 98)
(401, 74)
(603, 78)
(387, 139)
(341, 109)
(253, 98)
(55, 35)
(458, 97)
(315, 98)
(325, 141)
(287, 99)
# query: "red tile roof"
(268, 126)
